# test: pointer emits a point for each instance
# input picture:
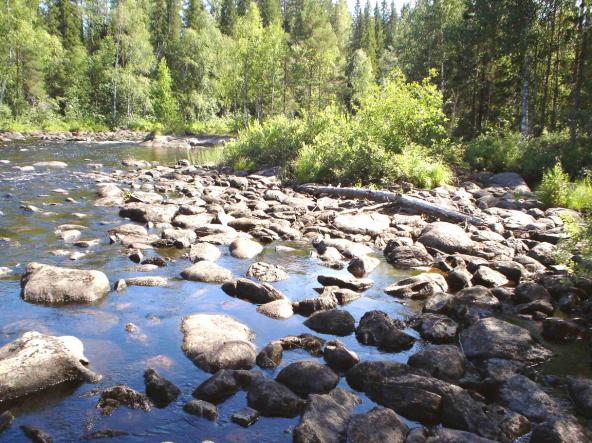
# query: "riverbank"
(123, 135)
(468, 325)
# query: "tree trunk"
(406, 201)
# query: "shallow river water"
(69, 412)
(66, 412)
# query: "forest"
(312, 85)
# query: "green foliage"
(576, 250)
(368, 148)
(495, 152)
(161, 94)
(555, 187)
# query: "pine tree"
(193, 14)
(228, 16)
(158, 27)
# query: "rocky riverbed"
(211, 304)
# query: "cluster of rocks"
(476, 377)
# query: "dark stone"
(489, 278)
(458, 279)
(560, 429)
(355, 284)
(201, 408)
(36, 435)
(382, 424)
(325, 417)
(6, 419)
(522, 395)
(418, 287)
(378, 329)
(470, 304)
(513, 271)
(308, 377)
(445, 362)
(310, 343)
(338, 357)
(222, 385)
(158, 389)
(309, 306)
(245, 417)
(437, 328)
(273, 399)
(105, 433)
(158, 261)
(407, 256)
(121, 395)
(528, 292)
(367, 373)
(270, 356)
(533, 307)
(258, 293)
(580, 391)
(494, 338)
(562, 330)
(447, 435)
(333, 321)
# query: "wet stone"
(308, 377)
(201, 408)
(245, 417)
(36, 435)
(354, 284)
(158, 389)
(333, 321)
(121, 395)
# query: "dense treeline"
(520, 65)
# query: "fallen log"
(406, 201)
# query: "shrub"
(416, 165)
(576, 250)
(495, 152)
(555, 187)
(580, 197)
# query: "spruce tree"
(161, 95)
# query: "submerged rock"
(245, 417)
(267, 272)
(216, 342)
(338, 357)
(54, 285)
(35, 362)
(355, 284)
(36, 435)
(201, 408)
(121, 395)
(258, 293)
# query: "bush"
(555, 187)
(580, 197)
(576, 250)
(413, 165)
(495, 152)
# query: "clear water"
(65, 412)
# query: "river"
(66, 412)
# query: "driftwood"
(406, 201)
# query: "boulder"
(121, 395)
(147, 281)
(258, 293)
(245, 417)
(446, 237)
(146, 212)
(333, 321)
(524, 396)
(445, 362)
(437, 328)
(509, 180)
(308, 377)
(383, 424)
(447, 435)
(378, 329)
(489, 278)
(338, 357)
(158, 389)
(207, 272)
(271, 355)
(361, 266)
(458, 279)
(222, 385)
(309, 306)
(216, 342)
(407, 256)
(495, 338)
(193, 221)
(529, 292)
(245, 248)
(418, 287)
(267, 272)
(54, 285)
(580, 391)
(204, 251)
(273, 399)
(325, 417)
(36, 435)
(201, 408)
(560, 429)
(278, 309)
(368, 223)
(35, 362)
(367, 373)
(544, 253)
(355, 284)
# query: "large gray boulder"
(148, 212)
(245, 248)
(308, 377)
(54, 285)
(370, 223)
(216, 342)
(495, 338)
(325, 417)
(207, 272)
(36, 361)
(509, 180)
(447, 237)
(383, 424)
